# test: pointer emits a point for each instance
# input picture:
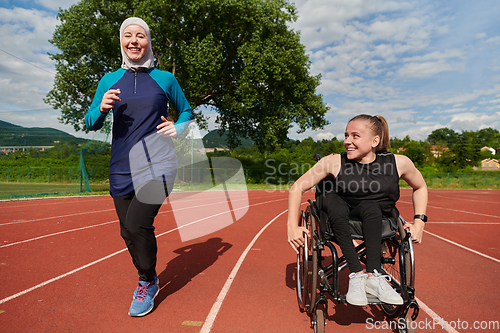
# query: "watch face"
(421, 216)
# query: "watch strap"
(423, 217)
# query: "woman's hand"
(167, 128)
(296, 236)
(108, 100)
(417, 230)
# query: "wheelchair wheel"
(397, 261)
(313, 275)
(319, 320)
(302, 267)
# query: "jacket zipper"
(135, 82)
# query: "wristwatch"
(423, 217)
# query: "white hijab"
(145, 62)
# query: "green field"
(21, 190)
(27, 190)
(437, 180)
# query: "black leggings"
(136, 228)
(370, 213)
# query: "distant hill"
(4, 124)
(14, 135)
(213, 140)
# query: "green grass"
(21, 190)
(205, 187)
(25, 190)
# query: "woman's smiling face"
(135, 42)
(360, 142)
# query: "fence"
(14, 181)
(32, 181)
(40, 174)
(483, 179)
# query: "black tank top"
(377, 181)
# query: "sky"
(422, 64)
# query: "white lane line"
(454, 210)
(435, 317)
(59, 277)
(463, 247)
(92, 212)
(101, 224)
(57, 233)
(466, 199)
(56, 217)
(112, 255)
(209, 321)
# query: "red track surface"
(68, 251)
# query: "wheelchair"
(316, 279)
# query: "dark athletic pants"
(370, 214)
(137, 230)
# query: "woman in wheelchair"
(364, 183)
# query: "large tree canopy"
(238, 57)
(443, 135)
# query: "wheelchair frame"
(315, 281)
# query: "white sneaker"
(378, 286)
(357, 289)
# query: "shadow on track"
(191, 261)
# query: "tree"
(467, 150)
(396, 143)
(237, 56)
(443, 135)
(489, 137)
(415, 152)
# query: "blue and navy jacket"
(144, 97)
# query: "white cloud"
(436, 55)
(474, 121)
(418, 133)
(454, 110)
(323, 22)
(28, 72)
(493, 40)
(56, 4)
(360, 48)
(28, 31)
(480, 35)
(323, 136)
(490, 101)
(428, 69)
(462, 97)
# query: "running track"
(64, 268)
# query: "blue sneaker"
(144, 297)
(135, 291)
